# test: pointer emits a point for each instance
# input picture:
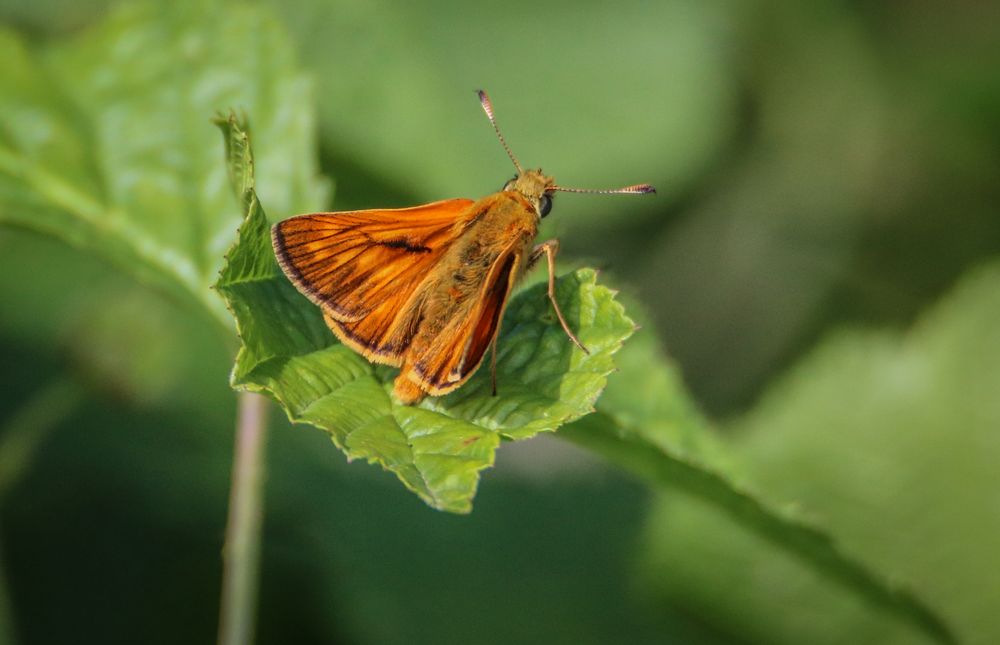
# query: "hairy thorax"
(502, 223)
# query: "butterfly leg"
(550, 248)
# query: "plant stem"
(241, 552)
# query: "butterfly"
(424, 288)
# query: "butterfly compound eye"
(544, 205)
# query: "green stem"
(241, 552)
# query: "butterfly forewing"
(384, 334)
(352, 263)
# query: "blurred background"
(820, 263)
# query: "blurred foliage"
(656, 436)
(819, 163)
(105, 143)
(891, 439)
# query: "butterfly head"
(537, 187)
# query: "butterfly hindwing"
(450, 362)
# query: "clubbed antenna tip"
(638, 189)
(484, 100)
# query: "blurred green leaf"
(648, 396)
(592, 92)
(105, 141)
(892, 441)
(437, 449)
(23, 431)
(40, 309)
(647, 424)
(756, 257)
(125, 342)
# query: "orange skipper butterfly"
(424, 288)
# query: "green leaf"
(438, 448)
(890, 439)
(648, 396)
(105, 140)
(647, 424)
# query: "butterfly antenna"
(484, 99)
(638, 189)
